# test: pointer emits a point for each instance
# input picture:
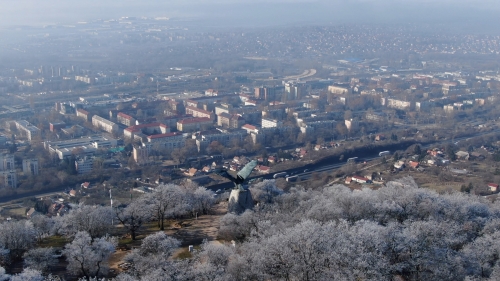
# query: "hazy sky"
(251, 12)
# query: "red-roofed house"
(263, 169)
(192, 172)
(413, 164)
(85, 184)
(493, 187)
(271, 159)
(250, 128)
(302, 152)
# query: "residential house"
(476, 156)
(399, 165)
(462, 155)
(413, 164)
(263, 169)
(31, 213)
(493, 187)
(191, 172)
(302, 152)
(360, 179)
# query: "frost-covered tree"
(398, 232)
(154, 253)
(44, 226)
(133, 216)
(39, 259)
(95, 220)
(167, 201)
(28, 274)
(17, 236)
(202, 200)
(265, 191)
(4, 255)
(3, 276)
(87, 257)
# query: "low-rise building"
(125, 119)
(104, 124)
(225, 137)
(141, 131)
(338, 90)
(82, 113)
(84, 165)
(194, 124)
(197, 112)
(359, 179)
(231, 121)
(81, 146)
(270, 123)
(27, 130)
(56, 126)
(141, 155)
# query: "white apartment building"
(9, 178)
(270, 123)
(104, 124)
(30, 167)
(141, 154)
(84, 165)
(352, 125)
(7, 162)
(338, 90)
(125, 119)
(27, 130)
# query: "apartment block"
(104, 124)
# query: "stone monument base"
(239, 201)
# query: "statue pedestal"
(239, 201)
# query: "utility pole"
(111, 199)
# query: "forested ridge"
(398, 232)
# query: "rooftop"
(195, 120)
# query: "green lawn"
(53, 241)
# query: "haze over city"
(253, 13)
(256, 140)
